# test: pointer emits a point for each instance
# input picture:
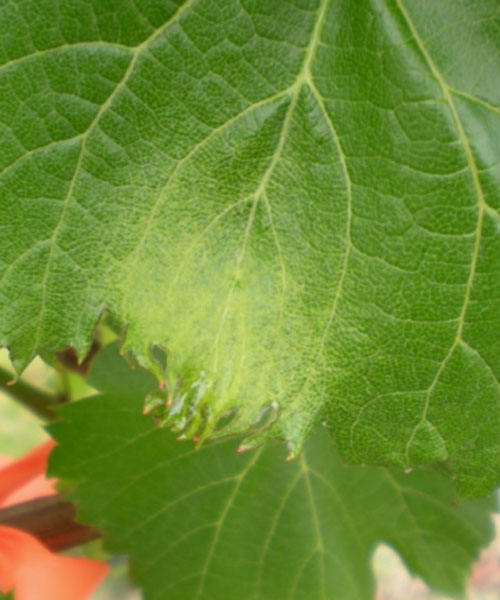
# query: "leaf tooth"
(135, 358)
(261, 429)
(199, 422)
(254, 441)
(154, 403)
(295, 446)
(295, 439)
(246, 447)
(295, 428)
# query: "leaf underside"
(213, 524)
(296, 200)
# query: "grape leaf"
(297, 200)
(215, 524)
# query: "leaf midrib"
(482, 207)
(138, 50)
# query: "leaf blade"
(298, 203)
(209, 523)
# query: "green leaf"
(215, 524)
(298, 201)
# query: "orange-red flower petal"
(22, 471)
(35, 573)
(26, 565)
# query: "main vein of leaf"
(307, 76)
(307, 471)
(304, 77)
(222, 518)
(138, 50)
(260, 192)
(481, 208)
(317, 525)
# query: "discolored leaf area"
(213, 524)
(296, 200)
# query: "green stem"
(65, 394)
(32, 398)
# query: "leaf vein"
(481, 208)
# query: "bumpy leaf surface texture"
(211, 524)
(297, 200)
